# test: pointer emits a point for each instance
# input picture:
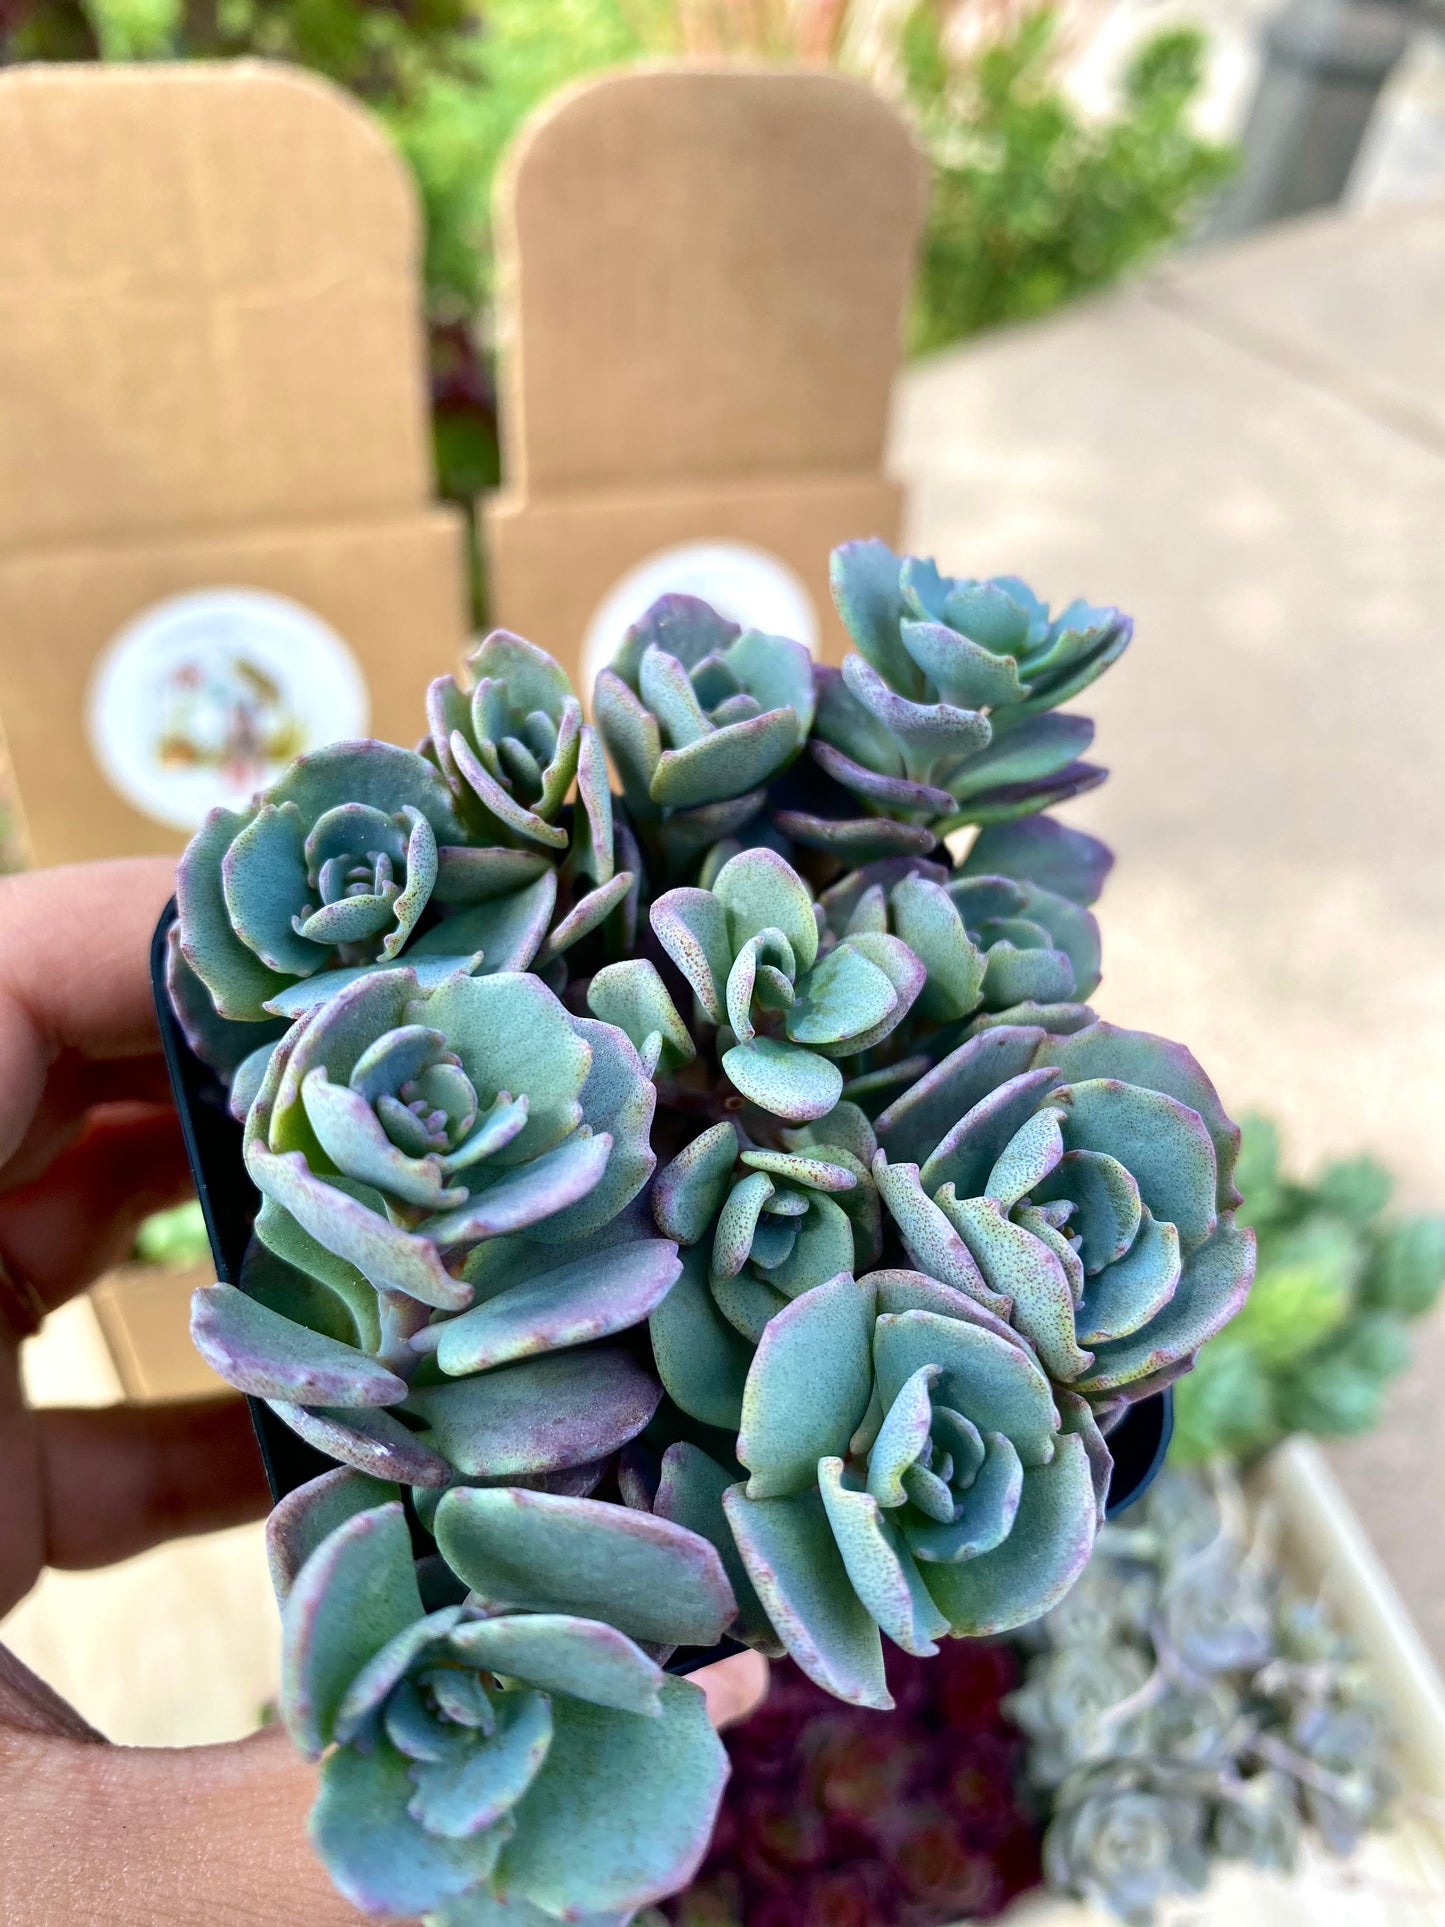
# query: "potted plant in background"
(710, 1210)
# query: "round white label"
(746, 584)
(205, 698)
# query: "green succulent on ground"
(1196, 1710)
(1327, 1323)
(485, 1765)
(842, 1368)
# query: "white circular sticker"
(746, 584)
(205, 698)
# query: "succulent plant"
(483, 1765)
(931, 1483)
(1126, 1838)
(749, 949)
(1079, 1186)
(1199, 1709)
(332, 871)
(944, 717)
(759, 1228)
(1327, 1323)
(698, 716)
(713, 1208)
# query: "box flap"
(208, 305)
(702, 274)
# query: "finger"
(210, 1836)
(74, 972)
(79, 1219)
(120, 1478)
(76, 1087)
(733, 1687)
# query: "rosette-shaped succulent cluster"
(1183, 1705)
(946, 715)
(713, 1207)
(484, 1765)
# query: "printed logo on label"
(205, 698)
(746, 584)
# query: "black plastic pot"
(230, 1201)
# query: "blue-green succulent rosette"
(1081, 1187)
(945, 715)
(355, 856)
(699, 716)
(435, 1161)
(502, 1759)
(912, 1472)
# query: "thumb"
(211, 1836)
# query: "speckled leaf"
(633, 996)
(590, 1298)
(366, 1437)
(548, 1184)
(1164, 1144)
(1137, 1057)
(692, 927)
(966, 1154)
(879, 1565)
(961, 670)
(997, 1385)
(737, 1221)
(1049, 1546)
(302, 1518)
(701, 1360)
(536, 1552)
(1127, 1294)
(268, 1356)
(623, 1810)
(354, 1593)
(841, 997)
(808, 1387)
(379, 1858)
(690, 1493)
(1107, 1207)
(459, 1799)
(864, 839)
(726, 763)
(1019, 1266)
(508, 931)
(1211, 1289)
(690, 1190)
(391, 1258)
(986, 1515)
(793, 1560)
(759, 890)
(864, 578)
(783, 1078)
(919, 1117)
(932, 1242)
(1036, 849)
(558, 1653)
(235, 976)
(560, 1409)
(824, 1247)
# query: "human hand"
(89, 1146)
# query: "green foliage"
(1033, 202)
(1325, 1328)
(175, 1237)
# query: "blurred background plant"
(1034, 201)
(1185, 1705)
(1326, 1326)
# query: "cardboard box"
(144, 1313)
(211, 379)
(702, 277)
